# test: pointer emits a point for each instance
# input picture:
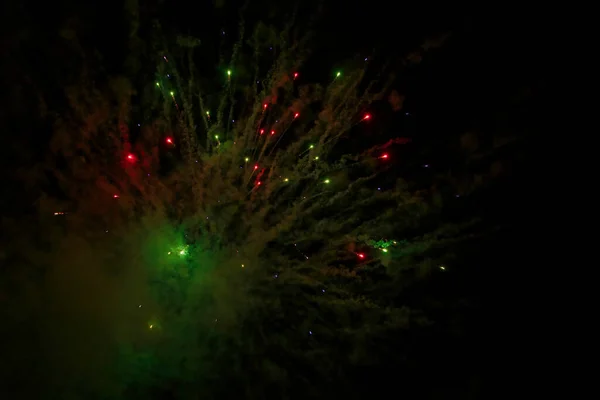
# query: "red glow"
(115, 196)
(169, 140)
(256, 167)
(272, 132)
(258, 183)
(296, 115)
(367, 116)
(130, 157)
(384, 156)
(295, 75)
(360, 255)
(265, 105)
(262, 131)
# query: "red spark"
(295, 75)
(360, 255)
(384, 156)
(256, 167)
(272, 132)
(262, 131)
(130, 157)
(367, 116)
(169, 140)
(115, 196)
(296, 115)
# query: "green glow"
(286, 180)
(246, 159)
(326, 181)
(181, 250)
(337, 75)
(383, 244)
(229, 72)
(172, 93)
(153, 324)
(157, 84)
(208, 113)
(217, 137)
(311, 146)
(317, 157)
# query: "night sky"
(467, 98)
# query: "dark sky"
(480, 79)
(473, 82)
(489, 52)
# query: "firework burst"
(254, 202)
